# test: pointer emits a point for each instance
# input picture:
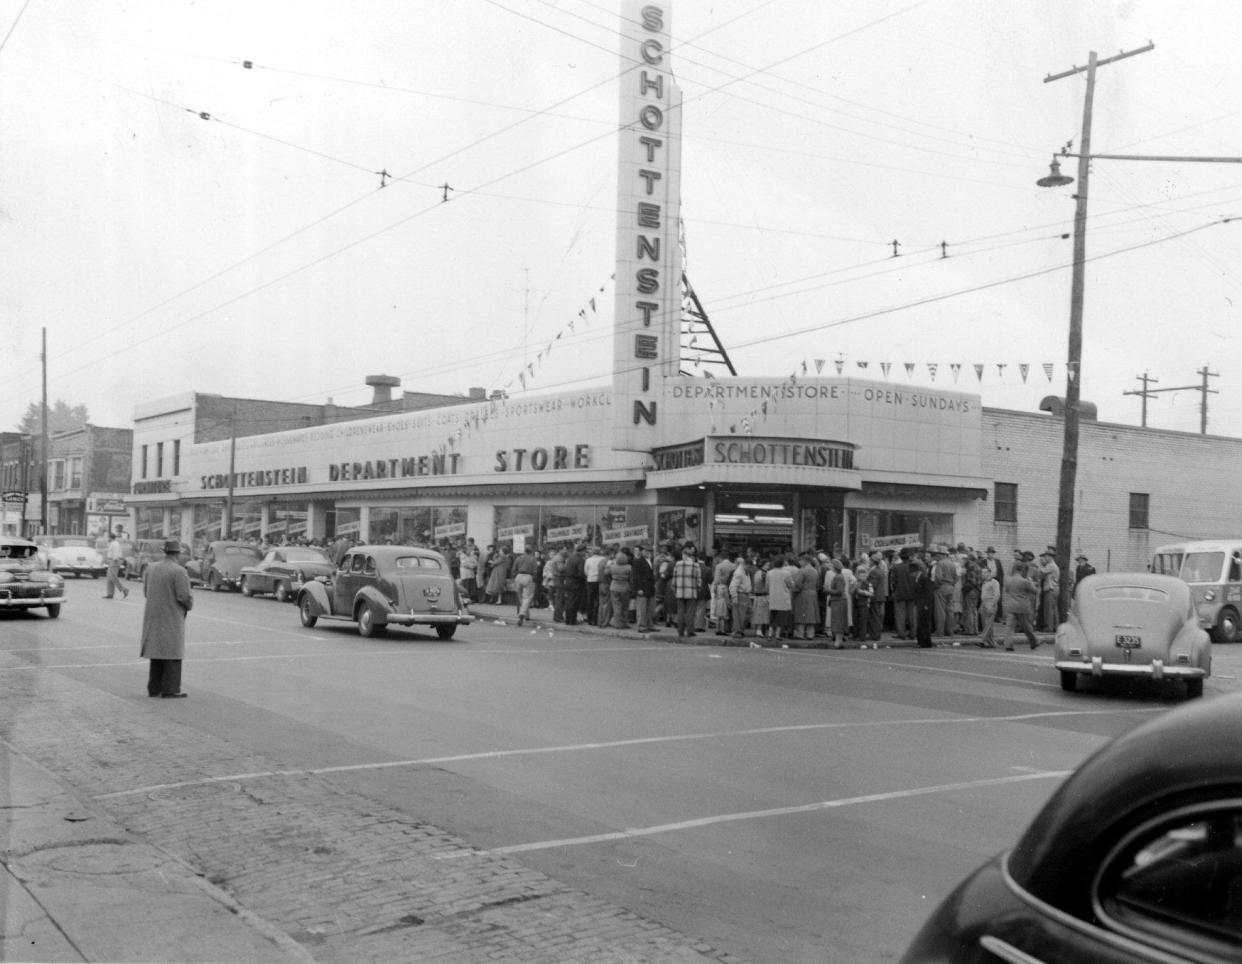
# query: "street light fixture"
(1054, 178)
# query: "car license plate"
(1126, 641)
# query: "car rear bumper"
(1152, 669)
(81, 570)
(428, 619)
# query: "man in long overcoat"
(167, 590)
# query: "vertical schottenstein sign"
(647, 326)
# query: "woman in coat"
(838, 606)
(167, 590)
(780, 599)
(498, 578)
(760, 610)
(806, 599)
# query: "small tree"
(60, 418)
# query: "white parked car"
(74, 555)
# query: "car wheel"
(1069, 681)
(1194, 689)
(213, 581)
(307, 612)
(1227, 629)
(446, 632)
(281, 591)
(367, 624)
(53, 610)
(245, 588)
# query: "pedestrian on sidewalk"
(643, 583)
(686, 581)
(989, 601)
(168, 600)
(740, 586)
(1021, 601)
(114, 567)
(526, 571)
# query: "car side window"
(357, 563)
(1181, 881)
(369, 570)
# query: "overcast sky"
(254, 252)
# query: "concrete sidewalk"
(541, 619)
(74, 886)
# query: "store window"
(247, 521)
(415, 525)
(149, 523)
(347, 522)
(206, 526)
(1005, 503)
(1138, 510)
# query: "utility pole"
(43, 458)
(1069, 450)
(1202, 388)
(1145, 394)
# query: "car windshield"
(418, 562)
(1143, 593)
(18, 552)
(75, 542)
(240, 551)
(1203, 566)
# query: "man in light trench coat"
(167, 590)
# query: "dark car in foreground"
(381, 586)
(221, 565)
(25, 583)
(1136, 858)
(284, 570)
(1135, 624)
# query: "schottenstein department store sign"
(647, 322)
(747, 459)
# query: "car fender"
(318, 592)
(373, 598)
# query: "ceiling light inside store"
(765, 506)
(784, 520)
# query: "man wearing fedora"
(167, 590)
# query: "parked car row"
(374, 586)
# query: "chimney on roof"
(478, 394)
(383, 386)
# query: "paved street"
(543, 794)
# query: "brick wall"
(1190, 479)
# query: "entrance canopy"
(745, 460)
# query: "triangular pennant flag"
(840, 363)
(1000, 369)
(909, 369)
(539, 357)
(571, 324)
(863, 365)
(931, 369)
(733, 429)
(979, 372)
(885, 366)
(708, 374)
(582, 313)
(765, 409)
(522, 378)
(804, 366)
(1071, 370)
(793, 379)
(819, 366)
(592, 304)
(559, 334)
(1024, 369)
(1048, 370)
(955, 367)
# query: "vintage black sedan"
(25, 582)
(1136, 858)
(221, 565)
(381, 586)
(1135, 624)
(283, 571)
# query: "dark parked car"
(1133, 624)
(143, 552)
(25, 582)
(221, 565)
(1136, 858)
(381, 586)
(283, 571)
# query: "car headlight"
(6, 577)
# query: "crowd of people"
(914, 593)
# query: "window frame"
(1140, 510)
(1005, 510)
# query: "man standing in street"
(114, 567)
(167, 590)
(1049, 592)
(944, 577)
(901, 587)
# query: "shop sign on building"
(575, 533)
(625, 536)
(451, 531)
(647, 320)
(511, 532)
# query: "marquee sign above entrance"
(755, 459)
(647, 322)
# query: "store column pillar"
(316, 526)
(799, 541)
(265, 519)
(364, 523)
(709, 521)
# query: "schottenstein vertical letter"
(647, 319)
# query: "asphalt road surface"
(781, 805)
